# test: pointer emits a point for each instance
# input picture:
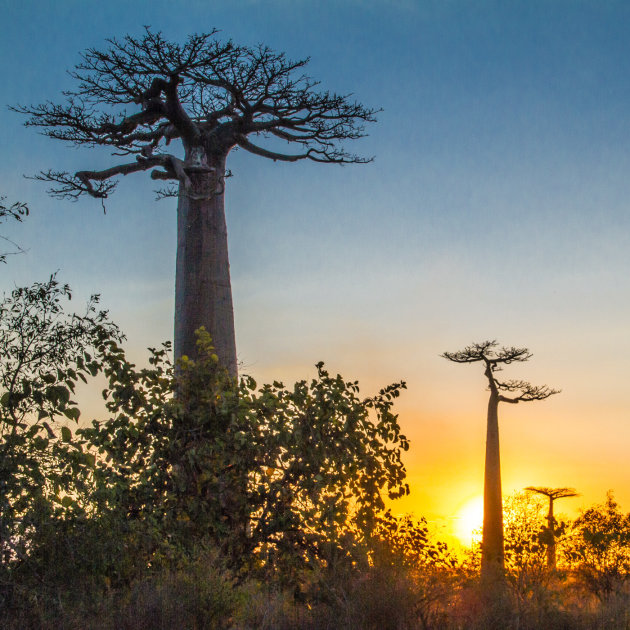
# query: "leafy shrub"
(44, 472)
(199, 595)
(599, 550)
(276, 478)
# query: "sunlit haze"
(468, 521)
(496, 207)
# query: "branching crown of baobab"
(211, 95)
(554, 493)
(494, 358)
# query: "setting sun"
(469, 520)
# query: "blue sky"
(496, 207)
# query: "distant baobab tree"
(206, 97)
(552, 494)
(493, 358)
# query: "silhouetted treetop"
(554, 493)
(209, 94)
(494, 358)
(486, 352)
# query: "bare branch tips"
(525, 391)
(68, 186)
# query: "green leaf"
(72, 413)
(66, 434)
(58, 395)
(40, 443)
(90, 459)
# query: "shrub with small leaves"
(598, 548)
(272, 475)
(44, 471)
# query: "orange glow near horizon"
(468, 521)
(542, 444)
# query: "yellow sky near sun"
(445, 464)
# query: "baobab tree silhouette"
(208, 97)
(493, 358)
(553, 494)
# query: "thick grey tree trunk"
(203, 293)
(492, 558)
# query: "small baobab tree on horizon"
(513, 391)
(190, 105)
(553, 494)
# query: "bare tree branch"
(272, 155)
(67, 186)
(168, 192)
(525, 391)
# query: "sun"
(469, 520)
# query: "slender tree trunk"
(203, 293)
(492, 560)
(551, 545)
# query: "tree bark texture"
(492, 558)
(203, 292)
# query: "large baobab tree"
(513, 391)
(553, 494)
(204, 97)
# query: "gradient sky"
(496, 207)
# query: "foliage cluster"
(281, 483)
(15, 211)
(199, 502)
(266, 473)
(599, 547)
(43, 474)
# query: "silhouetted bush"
(200, 503)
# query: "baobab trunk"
(492, 563)
(203, 292)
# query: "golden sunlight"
(468, 521)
